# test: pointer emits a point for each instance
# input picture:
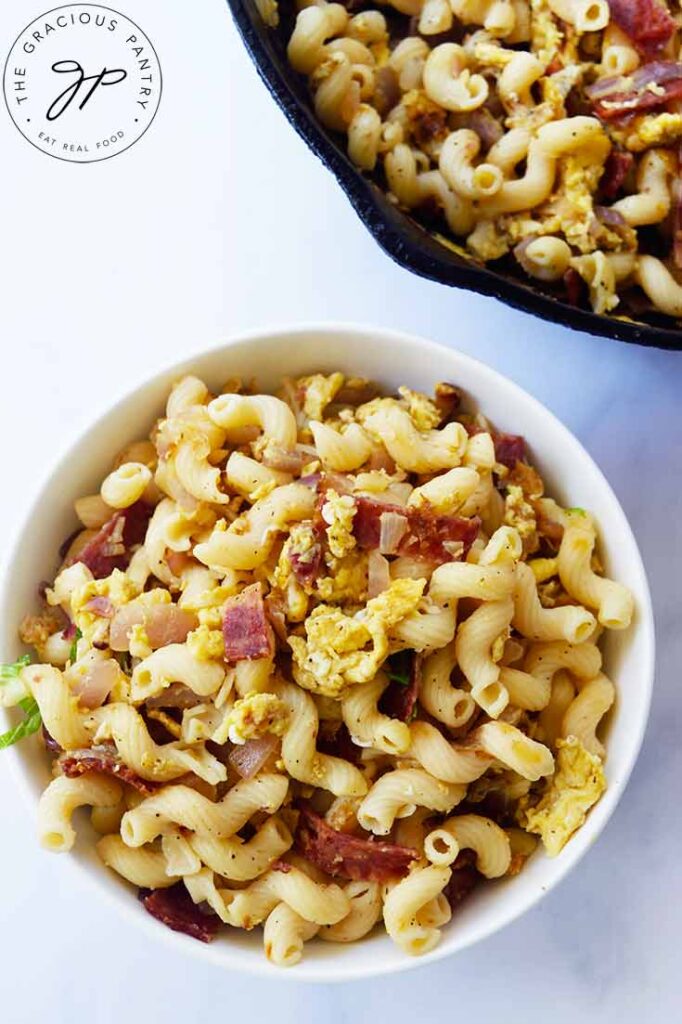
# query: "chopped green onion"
(399, 668)
(30, 724)
(73, 652)
(8, 672)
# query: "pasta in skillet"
(318, 660)
(539, 135)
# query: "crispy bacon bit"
(345, 856)
(575, 287)
(647, 23)
(110, 548)
(335, 740)
(306, 566)
(648, 88)
(101, 606)
(280, 865)
(398, 700)
(464, 878)
(174, 908)
(103, 758)
(427, 534)
(616, 170)
(509, 449)
(246, 629)
(447, 399)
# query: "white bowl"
(391, 359)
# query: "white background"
(220, 220)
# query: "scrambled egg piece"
(546, 37)
(489, 241)
(208, 604)
(255, 715)
(423, 411)
(301, 544)
(519, 513)
(544, 568)
(319, 392)
(340, 650)
(575, 787)
(139, 645)
(206, 644)
(651, 130)
(117, 588)
(347, 580)
(338, 512)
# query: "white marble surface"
(220, 220)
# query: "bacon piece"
(174, 908)
(575, 287)
(464, 878)
(306, 565)
(647, 23)
(428, 535)
(334, 739)
(616, 169)
(399, 701)
(103, 758)
(648, 88)
(246, 629)
(110, 548)
(448, 397)
(280, 865)
(344, 856)
(509, 449)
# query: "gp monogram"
(82, 82)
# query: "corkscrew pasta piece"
(398, 793)
(408, 915)
(569, 622)
(612, 601)
(470, 832)
(445, 702)
(180, 805)
(325, 609)
(366, 906)
(60, 800)
(144, 866)
(241, 861)
(284, 934)
(583, 715)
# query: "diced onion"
(393, 527)
(378, 574)
(249, 758)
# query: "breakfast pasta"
(320, 659)
(541, 133)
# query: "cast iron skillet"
(398, 234)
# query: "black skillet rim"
(398, 235)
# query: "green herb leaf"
(30, 724)
(73, 652)
(8, 672)
(576, 512)
(399, 668)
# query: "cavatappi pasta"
(541, 136)
(315, 661)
